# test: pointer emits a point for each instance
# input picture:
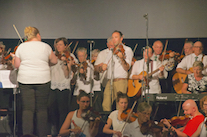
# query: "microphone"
(145, 15)
(90, 41)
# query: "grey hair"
(81, 49)
(143, 106)
(109, 39)
(190, 42)
(95, 51)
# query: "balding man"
(187, 62)
(190, 108)
(154, 86)
(157, 48)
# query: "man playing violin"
(157, 48)
(187, 62)
(122, 61)
(134, 129)
(75, 124)
(190, 108)
(81, 77)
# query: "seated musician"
(114, 118)
(190, 108)
(78, 124)
(134, 129)
(187, 62)
(195, 82)
(154, 86)
(202, 127)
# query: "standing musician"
(75, 120)
(81, 77)
(114, 118)
(98, 93)
(122, 61)
(60, 83)
(188, 48)
(2, 48)
(187, 62)
(157, 48)
(32, 58)
(196, 82)
(134, 129)
(190, 108)
(154, 86)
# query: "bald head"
(197, 48)
(190, 107)
(157, 47)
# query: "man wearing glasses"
(187, 62)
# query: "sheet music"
(4, 79)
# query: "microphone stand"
(90, 78)
(143, 82)
(112, 77)
(147, 42)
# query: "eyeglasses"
(198, 47)
(145, 113)
(84, 101)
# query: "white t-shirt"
(34, 67)
(116, 123)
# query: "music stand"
(5, 82)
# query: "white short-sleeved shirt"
(116, 123)
(119, 72)
(133, 130)
(34, 67)
(154, 81)
(187, 62)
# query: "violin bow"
(76, 44)
(164, 52)
(135, 47)
(17, 33)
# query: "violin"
(82, 76)
(65, 54)
(118, 49)
(181, 120)
(90, 114)
(167, 56)
(125, 114)
(151, 127)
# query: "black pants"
(58, 106)
(34, 99)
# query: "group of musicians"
(67, 92)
